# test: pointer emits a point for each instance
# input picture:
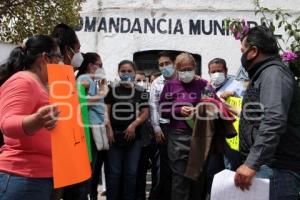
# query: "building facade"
(138, 29)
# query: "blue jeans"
(284, 184)
(264, 172)
(148, 153)
(122, 168)
(14, 187)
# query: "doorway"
(147, 60)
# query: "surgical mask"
(99, 74)
(77, 59)
(142, 84)
(217, 79)
(127, 77)
(186, 76)
(167, 71)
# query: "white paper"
(223, 188)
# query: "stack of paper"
(223, 188)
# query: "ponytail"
(22, 58)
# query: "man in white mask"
(227, 86)
(224, 85)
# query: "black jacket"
(270, 119)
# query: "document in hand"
(223, 188)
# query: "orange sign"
(70, 159)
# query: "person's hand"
(103, 88)
(47, 116)
(102, 83)
(130, 132)
(243, 177)
(159, 137)
(226, 94)
(110, 134)
(231, 109)
(187, 111)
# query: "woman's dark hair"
(263, 38)
(65, 36)
(124, 62)
(87, 59)
(218, 61)
(21, 58)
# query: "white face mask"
(142, 84)
(186, 76)
(217, 79)
(99, 74)
(77, 59)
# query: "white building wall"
(114, 47)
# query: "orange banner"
(69, 150)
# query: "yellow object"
(236, 103)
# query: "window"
(147, 60)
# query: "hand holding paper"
(223, 188)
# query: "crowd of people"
(140, 123)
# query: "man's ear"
(254, 53)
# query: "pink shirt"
(23, 154)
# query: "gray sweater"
(270, 128)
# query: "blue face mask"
(167, 71)
(127, 77)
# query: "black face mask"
(245, 62)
